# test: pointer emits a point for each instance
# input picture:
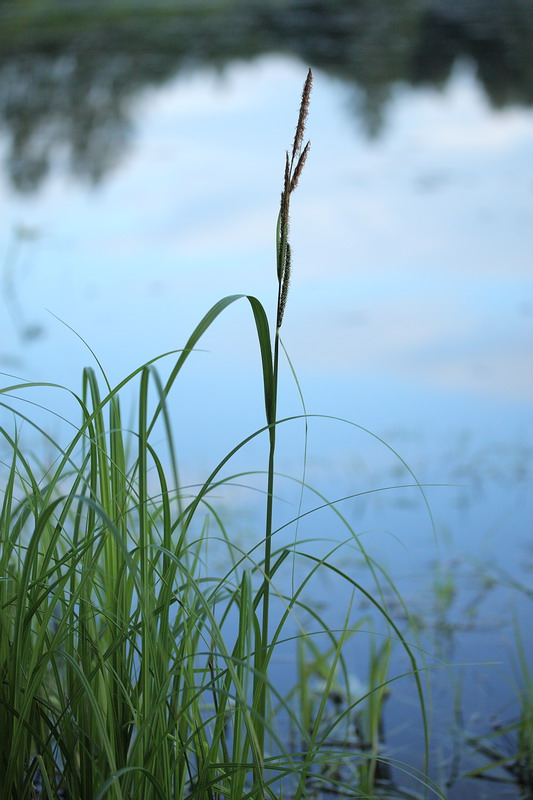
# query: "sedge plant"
(130, 669)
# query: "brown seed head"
(304, 108)
(285, 286)
(284, 218)
(299, 167)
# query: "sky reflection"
(411, 253)
(410, 311)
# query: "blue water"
(410, 314)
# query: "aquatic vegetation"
(506, 751)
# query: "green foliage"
(129, 668)
(506, 751)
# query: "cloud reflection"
(420, 283)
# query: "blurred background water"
(142, 150)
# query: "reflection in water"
(10, 273)
(67, 78)
(63, 99)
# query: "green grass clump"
(129, 668)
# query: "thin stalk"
(293, 169)
(263, 653)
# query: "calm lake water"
(142, 157)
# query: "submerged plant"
(506, 751)
(129, 668)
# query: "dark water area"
(135, 142)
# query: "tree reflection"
(67, 77)
(50, 103)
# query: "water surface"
(142, 163)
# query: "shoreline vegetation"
(131, 669)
